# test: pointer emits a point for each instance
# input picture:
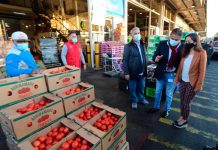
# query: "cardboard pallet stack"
(40, 106)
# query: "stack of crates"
(153, 40)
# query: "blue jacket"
(163, 49)
(19, 62)
(133, 65)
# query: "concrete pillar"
(135, 18)
(77, 17)
(149, 22)
(174, 19)
(161, 17)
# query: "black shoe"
(165, 114)
(153, 110)
(175, 122)
(184, 125)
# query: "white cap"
(19, 36)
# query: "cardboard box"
(82, 122)
(62, 79)
(21, 126)
(91, 138)
(75, 101)
(108, 138)
(119, 143)
(27, 144)
(17, 89)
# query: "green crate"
(150, 92)
(184, 34)
(149, 56)
(153, 48)
(164, 38)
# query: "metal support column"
(90, 32)
(126, 20)
(161, 17)
(77, 17)
(149, 22)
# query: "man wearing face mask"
(72, 52)
(135, 68)
(19, 60)
(167, 57)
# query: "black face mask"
(188, 46)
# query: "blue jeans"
(137, 89)
(168, 81)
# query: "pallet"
(125, 146)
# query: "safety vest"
(73, 56)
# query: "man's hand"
(158, 58)
(127, 77)
(84, 66)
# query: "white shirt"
(140, 56)
(186, 68)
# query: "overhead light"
(130, 9)
(140, 13)
(193, 6)
(19, 13)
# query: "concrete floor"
(149, 131)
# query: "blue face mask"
(74, 40)
(22, 47)
(173, 42)
(137, 37)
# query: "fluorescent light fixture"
(140, 13)
(19, 13)
(193, 6)
(130, 9)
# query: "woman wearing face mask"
(72, 52)
(190, 74)
(19, 60)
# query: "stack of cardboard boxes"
(33, 106)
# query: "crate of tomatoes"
(50, 137)
(108, 126)
(23, 119)
(87, 113)
(60, 77)
(76, 96)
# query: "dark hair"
(177, 31)
(197, 46)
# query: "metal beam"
(190, 9)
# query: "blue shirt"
(19, 62)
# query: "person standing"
(72, 52)
(190, 75)
(135, 68)
(19, 60)
(167, 57)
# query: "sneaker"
(134, 106)
(165, 114)
(145, 102)
(153, 110)
(184, 125)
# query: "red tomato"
(36, 143)
(42, 103)
(48, 146)
(59, 136)
(61, 129)
(70, 141)
(55, 142)
(55, 130)
(75, 144)
(103, 127)
(78, 139)
(109, 127)
(66, 130)
(108, 114)
(54, 134)
(49, 141)
(84, 147)
(84, 142)
(42, 138)
(65, 145)
(50, 134)
(81, 115)
(102, 122)
(99, 125)
(41, 146)
(104, 116)
(99, 120)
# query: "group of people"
(20, 61)
(179, 64)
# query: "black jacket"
(163, 49)
(133, 65)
